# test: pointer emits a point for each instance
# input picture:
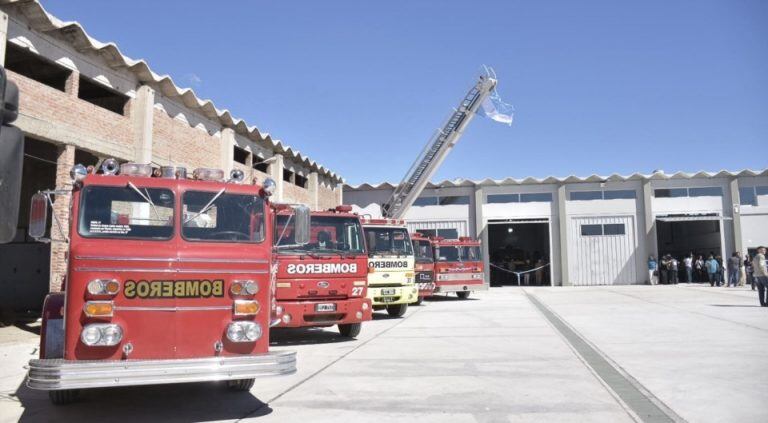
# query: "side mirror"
(302, 224)
(38, 216)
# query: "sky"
(598, 87)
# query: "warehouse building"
(592, 230)
(82, 101)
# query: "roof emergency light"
(136, 169)
(208, 174)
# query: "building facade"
(82, 101)
(593, 230)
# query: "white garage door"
(601, 250)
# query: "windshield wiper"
(206, 207)
(145, 197)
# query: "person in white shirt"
(688, 262)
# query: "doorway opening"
(681, 236)
(519, 246)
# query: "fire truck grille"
(323, 318)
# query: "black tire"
(243, 385)
(350, 330)
(397, 310)
(463, 294)
(63, 397)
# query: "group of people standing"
(739, 271)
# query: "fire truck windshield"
(423, 251)
(328, 234)
(218, 216)
(125, 212)
(458, 253)
(388, 241)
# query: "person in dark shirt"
(734, 263)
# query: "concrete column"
(64, 163)
(3, 36)
(480, 231)
(736, 208)
(276, 173)
(339, 190)
(142, 119)
(227, 150)
(562, 218)
(313, 185)
(649, 230)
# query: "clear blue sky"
(598, 86)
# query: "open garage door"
(602, 250)
(681, 235)
(520, 245)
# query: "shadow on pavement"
(439, 298)
(169, 403)
(31, 327)
(305, 336)
(735, 305)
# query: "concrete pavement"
(697, 352)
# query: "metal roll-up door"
(602, 250)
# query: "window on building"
(705, 192)
(622, 194)
(503, 198)
(241, 155)
(536, 197)
(591, 230)
(287, 175)
(261, 166)
(761, 190)
(614, 229)
(301, 181)
(586, 195)
(454, 200)
(102, 96)
(34, 66)
(748, 195)
(425, 201)
(670, 192)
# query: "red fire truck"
(424, 265)
(458, 266)
(324, 282)
(168, 281)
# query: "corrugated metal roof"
(659, 175)
(42, 21)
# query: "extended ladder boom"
(436, 150)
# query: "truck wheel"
(350, 330)
(419, 301)
(463, 294)
(241, 384)
(397, 310)
(63, 397)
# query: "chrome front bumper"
(58, 374)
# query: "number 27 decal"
(357, 290)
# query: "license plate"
(325, 307)
(388, 291)
(387, 299)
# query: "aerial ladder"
(437, 148)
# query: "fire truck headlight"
(243, 331)
(104, 335)
(78, 172)
(244, 287)
(365, 306)
(246, 308)
(103, 287)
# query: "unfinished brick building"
(83, 101)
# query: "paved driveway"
(603, 354)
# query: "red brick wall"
(182, 144)
(48, 104)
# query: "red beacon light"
(343, 209)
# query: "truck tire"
(350, 330)
(463, 294)
(243, 385)
(419, 301)
(397, 310)
(64, 397)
